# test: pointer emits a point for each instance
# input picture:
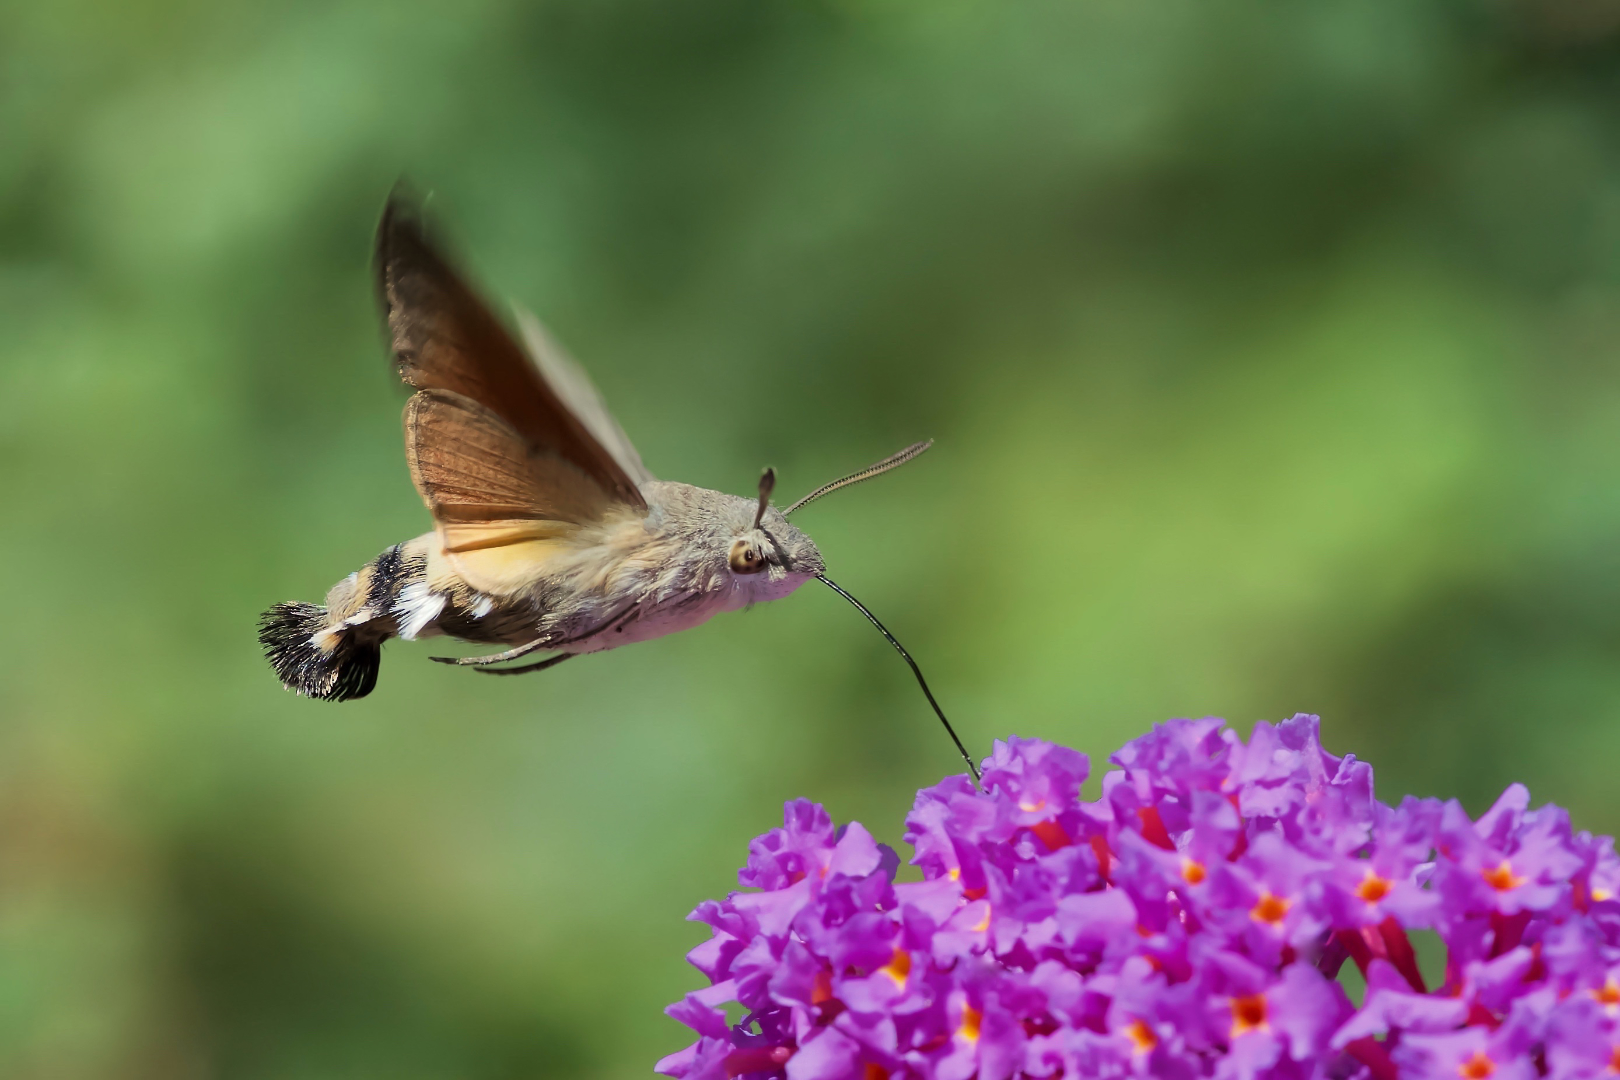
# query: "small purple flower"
(1189, 923)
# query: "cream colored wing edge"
(570, 383)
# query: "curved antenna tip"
(893, 461)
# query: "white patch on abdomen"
(416, 607)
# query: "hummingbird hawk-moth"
(549, 534)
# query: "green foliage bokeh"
(1271, 350)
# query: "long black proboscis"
(915, 670)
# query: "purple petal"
(830, 1055)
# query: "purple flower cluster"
(1191, 922)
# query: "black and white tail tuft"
(315, 660)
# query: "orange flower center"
(1373, 888)
(1269, 909)
(1248, 1014)
(821, 988)
(1614, 1060)
(899, 967)
(1141, 1036)
(1192, 871)
(1607, 994)
(1502, 878)
(1477, 1067)
(875, 1071)
(969, 1028)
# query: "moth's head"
(767, 546)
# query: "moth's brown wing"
(445, 338)
(503, 509)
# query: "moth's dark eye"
(745, 559)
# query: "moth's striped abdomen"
(332, 652)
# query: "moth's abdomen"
(332, 652)
(315, 659)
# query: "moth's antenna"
(867, 473)
(901, 649)
(767, 484)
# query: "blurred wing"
(502, 509)
(445, 339)
(580, 395)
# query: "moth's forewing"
(445, 338)
(511, 473)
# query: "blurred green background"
(1272, 351)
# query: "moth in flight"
(549, 535)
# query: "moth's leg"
(522, 669)
(497, 658)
